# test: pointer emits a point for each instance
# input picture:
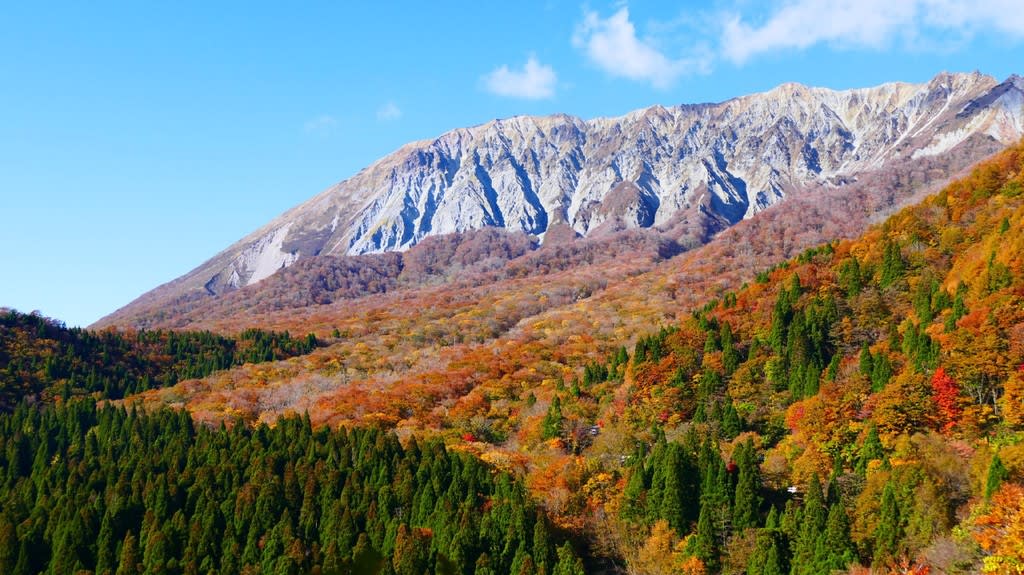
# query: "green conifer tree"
(892, 265)
(835, 550)
(130, 562)
(551, 427)
(889, 531)
(850, 276)
(8, 545)
(633, 505)
(672, 506)
(746, 500)
(730, 356)
(704, 544)
(773, 561)
(997, 473)
(866, 360)
(541, 546)
(772, 521)
(568, 563)
(870, 450)
(106, 560)
(810, 526)
(881, 371)
(731, 424)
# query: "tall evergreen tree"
(551, 427)
(889, 531)
(541, 546)
(746, 500)
(730, 356)
(892, 265)
(866, 361)
(8, 545)
(997, 473)
(633, 507)
(808, 530)
(704, 544)
(765, 559)
(568, 563)
(731, 424)
(773, 561)
(130, 562)
(870, 450)
(835, 550)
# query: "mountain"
(688, 171)
(856, 408)
(861, 403)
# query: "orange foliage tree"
(1000, 532)
(1013, 399)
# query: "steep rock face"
(731, 160)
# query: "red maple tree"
(946, 395)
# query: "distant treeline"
(42, 358)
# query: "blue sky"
(138, 139)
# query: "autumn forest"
(608, 406)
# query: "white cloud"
(874, 24)
(535, 81)
(1005, 16)
(613, 45)
(320, 125)
(389, 112)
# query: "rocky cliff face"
(727, 161)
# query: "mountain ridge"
(721, 162)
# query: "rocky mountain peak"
(648, 168)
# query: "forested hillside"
(866, 403)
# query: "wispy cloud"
(389, 112)
(613, 45)
(1004, 16)
(321, 124)
(737, 31)
(872, 24)
(535, 81)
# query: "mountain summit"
(672, 168)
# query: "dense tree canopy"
(114, 491)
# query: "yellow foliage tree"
(1012, 402)
(656, 554)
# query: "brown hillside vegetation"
(579, 300)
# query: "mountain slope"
(688, 170)
(567, 317)
(869, 374)
(879, 379)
